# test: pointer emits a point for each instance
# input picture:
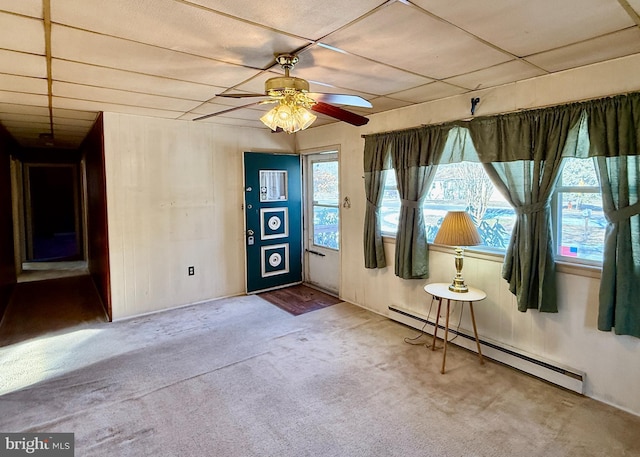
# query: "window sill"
(576, 269)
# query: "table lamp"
(458, 230)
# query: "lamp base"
(458, 285)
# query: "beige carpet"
(240, 377)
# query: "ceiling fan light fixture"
(291, 113)
(305, 117)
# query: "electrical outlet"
(192, 271)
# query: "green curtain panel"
(522, 154)
(377, 160)
(614, 136)
(620, 280)
(414, 155)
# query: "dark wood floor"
(299, 299)
(39, 307)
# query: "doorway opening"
(51, 221)
(52, 211)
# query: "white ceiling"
(63, 61)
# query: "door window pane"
(325, 183)
(326, 199)
(325, 227)
(273, 185)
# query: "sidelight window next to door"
(326, 204)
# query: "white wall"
(611, 363)
(174, 200)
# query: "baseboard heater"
(551, 372)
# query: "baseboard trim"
(554, 373)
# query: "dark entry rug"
(299, 299)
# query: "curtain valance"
(613, 124)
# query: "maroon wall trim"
(7, 258)
(97, 234)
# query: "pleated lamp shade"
(457, 229)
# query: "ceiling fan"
(293, 102)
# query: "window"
(325, 202)
(580, 222)
(578, 219)
(457, 186)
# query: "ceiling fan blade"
(339, 113)
(218, 113)
(341, 99)
(240, 95)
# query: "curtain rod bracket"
(474, 104)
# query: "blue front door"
(273, 218)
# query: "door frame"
(27, 227)
(307, 218)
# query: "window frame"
(573, 264)
(556, 217)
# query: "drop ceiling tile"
(419, 43)
(89, 105)
(22, 34)
(232, 121)
(100, 94)
(73, 114)
(381, 104)
(10, 108)
(178, 26)
(255, 85)
(322, 120)
(611, 46)
(315, 87)
(525, 27)
(248, 114)
(515, 70)
(353, 73)
(73, 72)
(67, 132)
(21, 117)
(42, 116)
(26, 132)
(304, 18)
(23, 99)
(21, 64)
(635, 4)
(221, 104)
(27, 125)
(23, 84)
(31, 8)
(77, 124)
(80, 46)
(428, 92)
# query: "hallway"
(37, 308)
